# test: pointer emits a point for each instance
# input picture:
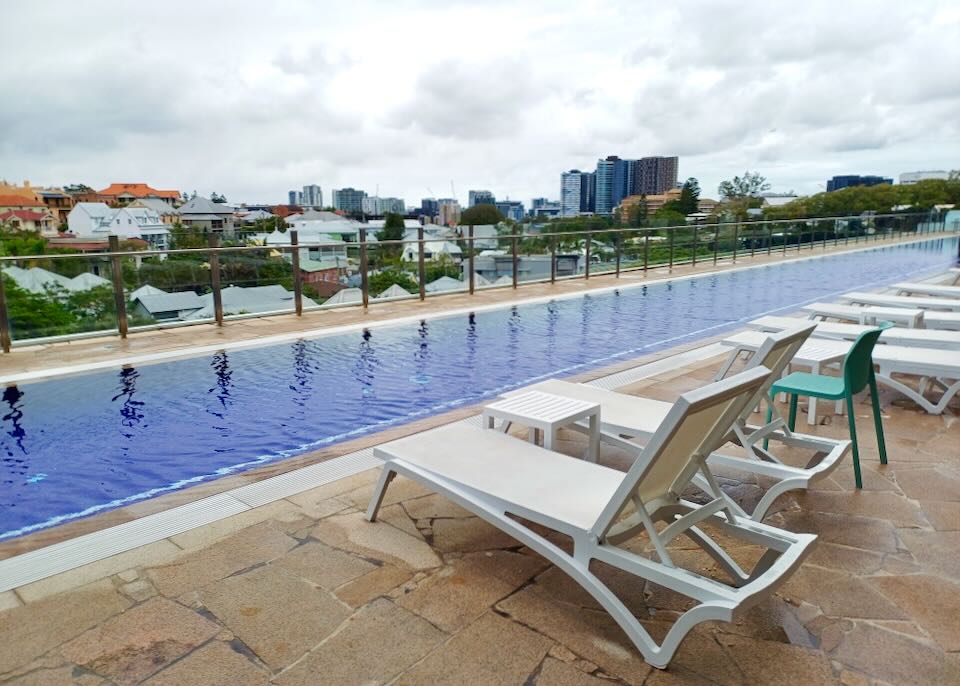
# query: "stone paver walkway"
(304, 591)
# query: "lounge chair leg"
(792, 421)
(851, 418)
(386, 476)
(766, 441)
(877, 421)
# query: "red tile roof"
(139, 190)
(24, 215)
(19, 201)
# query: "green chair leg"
(877, 422)
(851, 416)
(792, 422)
(766, 441)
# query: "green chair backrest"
(859, 361)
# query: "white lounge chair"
(942, 320)
(933, 289)
(509, 483)
(624, 417)
(933, 366)
(918, 338)
(885, 300)
(912, 317)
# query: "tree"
(393, 227)
(750, 185)
(217, 198)
(479, 215)
(381, 281)
(689, 197)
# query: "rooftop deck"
(304, 591)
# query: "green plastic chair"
(857, 373)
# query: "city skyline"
(581, 82)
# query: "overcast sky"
(410, 96)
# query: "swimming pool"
(78, 445)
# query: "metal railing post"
(800, 237)
(553, 259)
(470, 263)
(297, 276)
(753, 243)
(736, 240)
(364, 277)
(784, 241)
(516, 262)
(769, 238)
(670, 263)
(716, 243)
(421, 267)
(118, 296)
(586, 271)
(646, 251)
(4, 318)
(695, 233)
(616, 239)
(213, 240)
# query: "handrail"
(592, 258)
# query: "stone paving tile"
(469, 534)
(31, 630)
(858, 532)
(588, 633)
(372, 585)
(204, 536)
(215, 664)
(454, 596)
(65, 675)
(323, 565)
(152, 554)
(400, 489)
(250, 546)
(553, 672)
(839, 594)
(845, 558)
(941, 515)
(765, 662)
(278, 632)
(932, 601)
(938, 551)
(513, 568)
(929, 484)
(9, 600)
(896, 658)
(491, 651)
(879, 505)
(378, 540)
(377, 644)
(130, 647)
(433, 506)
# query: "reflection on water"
(421, 357)
(13, 463)
(302, 385)
(365, 368)
(224, 387)
(131, 412)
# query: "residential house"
(494, 266)
(167, 306)
(432, 250)
(43, 223)
(323, 275)
(125, 193)
(208, 216)
(94, 220)
(346, 296)
(37, 280)
(13, 201)
(445, 284)
(168, 213)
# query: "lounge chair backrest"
(775, 354)
(694, 428)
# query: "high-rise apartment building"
(379, 206)
(847, 180)
(312, 196)
(653, 175)
(448, 211)
(293, 197)
(544, 207)
(429, 207)
(511, 209)
(481, 198)
(349, 200)
(606, 170)
(577, 190)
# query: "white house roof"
(93, 209)
(308, 265)
(394, 291)
(503, 280)
(239, 300)
(256, 215)
(146, 289)
(37, 280)
(200, 205)
(86, 281)
(444, 283)
(345, 297)
(170, 302)
(155, 204)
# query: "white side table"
(545, 413)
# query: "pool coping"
(17, 378)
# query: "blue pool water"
(78, 445)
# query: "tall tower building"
(481, 198)
(312, 196)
